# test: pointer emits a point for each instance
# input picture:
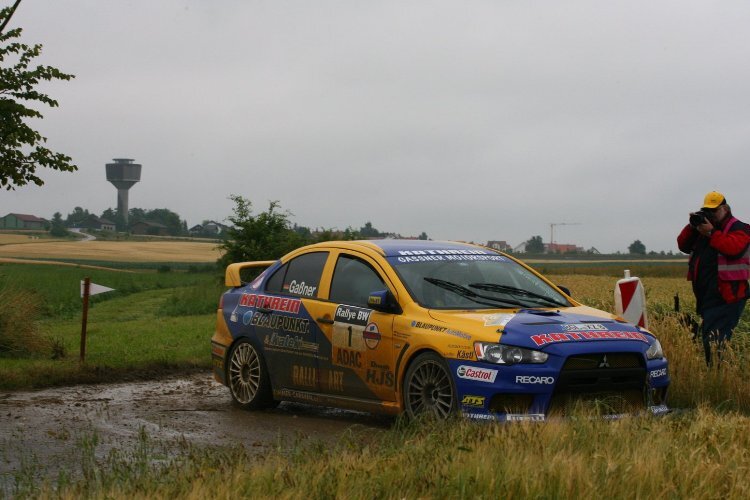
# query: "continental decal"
(280, 322)
(441, 329)
(282, 304)
(551, 338)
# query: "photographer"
(719, 268)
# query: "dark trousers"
(718, 324)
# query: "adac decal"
(476, 373)
(473, 401)
(551, 338)
(379, 375)
(441, 329)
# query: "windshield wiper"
(465, 292)
(494, 287)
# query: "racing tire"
(248, 378)
(429, 389)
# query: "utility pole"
(552, 231)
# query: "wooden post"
(86, 287)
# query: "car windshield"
(474, 282)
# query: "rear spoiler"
(232, 276)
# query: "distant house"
(502, 246)
(150, 228)
(562, 248)
(210, 228)
(94, 222)
(22, 221)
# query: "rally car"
(442, 328)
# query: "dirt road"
(47, 429)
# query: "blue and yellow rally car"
(396, 326)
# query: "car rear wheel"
(248, 377)
(429, 388)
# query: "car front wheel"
(248, 377)
(429, 388)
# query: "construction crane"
(552, 231)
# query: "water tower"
(123, 173)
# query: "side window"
(302, 276)
(275, 281)
(353, 281)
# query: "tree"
(266, 236)
(637, 248)
(58, 226)
(21, 147)
(535, 245)
(423, 236)
(76, 217)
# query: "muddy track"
(47, 429)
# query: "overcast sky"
(469, 120)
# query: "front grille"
(605, 383)
(612, 360)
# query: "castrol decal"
(474, 373)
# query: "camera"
(698, 218)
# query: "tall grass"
(701, 454)
(19, 332)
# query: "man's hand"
(705, 228)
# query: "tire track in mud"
(50, 430)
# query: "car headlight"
(507, 354)
(655, 352)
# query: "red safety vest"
(734, 269)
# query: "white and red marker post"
(630, 300)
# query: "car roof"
(393, 247)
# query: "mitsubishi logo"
(604, 363)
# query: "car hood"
(540, 328)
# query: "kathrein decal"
(551, 338)
(476, 373)
(282, 304)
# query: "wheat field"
(114, 251)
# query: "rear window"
(300, 276)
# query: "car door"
(283, 319)
(358, 339)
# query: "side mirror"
(383, 301)
(565, 289)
